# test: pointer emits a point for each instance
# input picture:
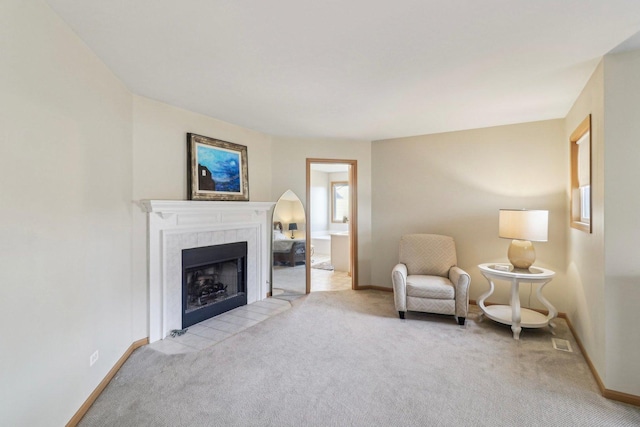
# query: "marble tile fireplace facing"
(175, 225)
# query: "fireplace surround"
(173, 226)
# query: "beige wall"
(622, 204)
(602, 268)
(585, 252)
(160, 172)
(65, 217)
(455, 183)
(289, 173)
(320, 200)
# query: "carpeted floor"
(345, 359)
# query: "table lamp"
(523, 226)
(292, 227)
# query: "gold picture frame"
(216, 169)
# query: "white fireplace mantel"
(174, 225)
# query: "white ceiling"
(356, 69)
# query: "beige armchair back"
(429, 254)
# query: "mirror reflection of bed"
(289, 247)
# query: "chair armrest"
(399, 279)
(461, 280)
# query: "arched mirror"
(289, 275)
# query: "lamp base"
(521, 254)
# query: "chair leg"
(401, 313)
(461, 320)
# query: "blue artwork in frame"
(217, 170)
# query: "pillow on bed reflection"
(277, 235)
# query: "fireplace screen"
(211, 284)
(213, 281)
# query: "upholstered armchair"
(427, 278)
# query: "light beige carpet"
(345, 359)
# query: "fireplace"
(177, 225)
(213, 281)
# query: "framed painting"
(216, 170)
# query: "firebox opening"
(213, 281)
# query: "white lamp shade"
(529, 225)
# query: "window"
(585, 204)
(340, 201)
(581, 176)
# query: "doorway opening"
(332, 224)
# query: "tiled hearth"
(216, 329)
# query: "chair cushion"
(434, 287)
(429, 254)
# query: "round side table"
(513, 314)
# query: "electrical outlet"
(93, 358)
